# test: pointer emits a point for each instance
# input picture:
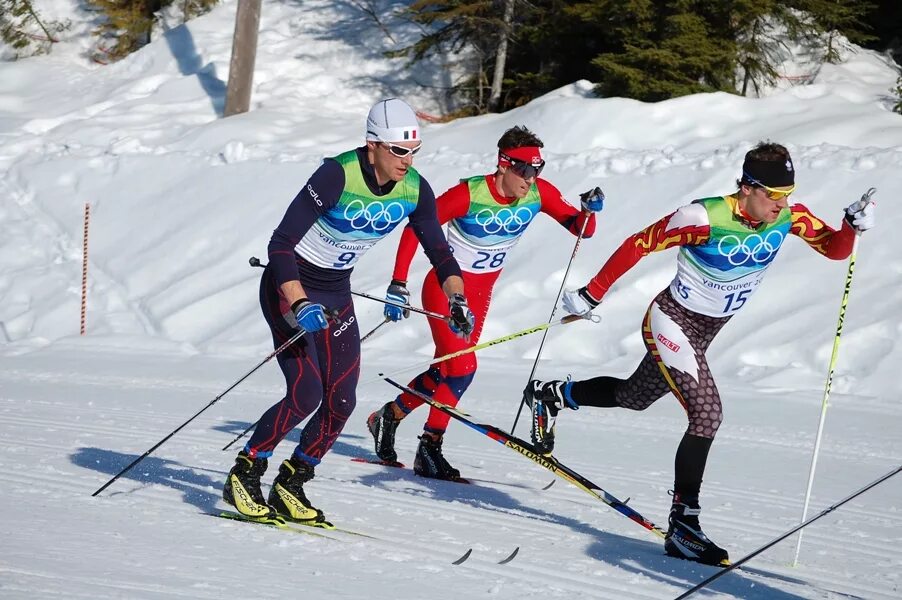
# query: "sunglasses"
(772, 193)
(522, 168)
(402, 151)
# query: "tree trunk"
(244, 53)
(501, 56)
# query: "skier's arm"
(825, 240)
(687, 226)
(554, 205)
(425, 225)
(452, 204)
(319, 194)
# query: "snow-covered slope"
(180, 198)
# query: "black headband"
(772, 173)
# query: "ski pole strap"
(482, 346)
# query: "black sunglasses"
(401, 151)
(522, 168)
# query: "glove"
(579, 302)
(310, 317)
(462, 319)
(397, 292)
(860, 215)
(593, 200)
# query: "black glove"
(462, 319)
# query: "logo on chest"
(509, 221)
(752, 249)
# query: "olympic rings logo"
(374, 216)
(510, 221)
(753, 248)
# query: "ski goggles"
(402, 151)
(526, 170)
(774, 194)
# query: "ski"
(398, 465)
(548, 462)
(288, 525)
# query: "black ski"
(549, 462)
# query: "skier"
(487, 214)
(349, 203)
(726, 245)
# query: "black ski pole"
(374, 330)
(535, 364)
(292, 340)
(745, 559)
(255, 262)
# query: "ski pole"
(482, 346)
(255, 262)
(787, 534)
(865, 199)
(375, 329)
(560, 291)
(422, 311)
(254, 424)
(291, 340)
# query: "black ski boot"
(685, 538)
(287, 495)
(430, 462)
(382, 425)
(546, 399)
(242, 487)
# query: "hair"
(518, 137)
(766, 151)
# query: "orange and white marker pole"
(84, 269)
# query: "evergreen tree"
(897, 93)
(468, 28)
(832, 18)
(680, 53)
(128, 23)
(22, 28)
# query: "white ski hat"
(392, 120)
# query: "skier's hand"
(579, 302)
(310, 316)
(860, 215)
(397, 292)
(593, 200)
(462, 319)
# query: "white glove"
(860, 215)
(579, 302)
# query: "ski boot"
(242, 487)
(382, 425)
(546, 399)
(430, 462)
(685, 538)
(287, 494)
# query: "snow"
(180, 198)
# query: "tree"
(897, 92)
(468, 28)
(835, 18)
(681, 54)
(23, 29)
(128, 24)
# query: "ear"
(371, 145)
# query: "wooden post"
(84, 269)
(244, 54)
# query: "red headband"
(528, 154)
